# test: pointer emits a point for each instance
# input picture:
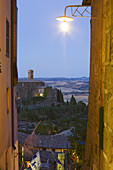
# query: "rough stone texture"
(108, 113)
(93, 153)
(26, 87)
(30, 74)
(100, 91)
(86, 2)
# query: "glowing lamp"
(64, 26)
(41, 95)
(64, 19)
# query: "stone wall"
(99, 143)
(94, 143)
(50, 97)
(25, 89)
(86, 2)
(108, 108)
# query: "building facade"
(99, 141)
(26, 88)
(30, 88)
(8, 80)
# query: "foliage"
(76, 155)
(45, 93)
(62, 118)
(60, 98)
(20, 155)
(72, 100)
(56, 119)
(59, 118)
(45, 129)
(39, 98)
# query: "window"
(53, 150)
(7, 100)
(0, 67)
(7, 160)
(101, 127)
(7, 38)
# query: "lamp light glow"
(64, 19)
(64, 27)
(41, 95)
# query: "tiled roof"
(47, 155)
(28, 80)
(46, 141)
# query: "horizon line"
(54, 77)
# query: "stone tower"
(30, 74)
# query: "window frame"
(7, 95)
(0, 67)
(7, 37)
(7, 157)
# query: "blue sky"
(44, 48)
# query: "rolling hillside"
(79, 87)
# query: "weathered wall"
(7, 159)
(108, 108)
(93, 149)
(99, 153)
(25, 89)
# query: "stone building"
(32, 88)
(8, 81)
(99, 141)
(30, 74)
(51, 96)
(26, 87)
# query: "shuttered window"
(7, 160)
(0, 67)
(7, 38)
(101, 127)
(7, 100)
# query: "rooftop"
(45, 141)
(28, 80)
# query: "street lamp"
(66, 19)
(78, 13)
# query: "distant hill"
(64, 79)
(79, 87)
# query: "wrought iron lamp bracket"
(85, 13)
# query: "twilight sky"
(44, 48)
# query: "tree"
(67, 102)
(72, 100)
(60, 98)
(81, 106)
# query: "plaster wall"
(7, 159)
